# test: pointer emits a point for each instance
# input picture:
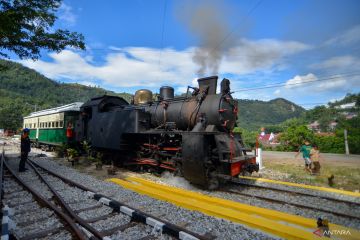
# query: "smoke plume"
(207, 20)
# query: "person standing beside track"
(315, 157)
(25, 149)
(69, 134)
(305, 149)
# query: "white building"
(346, 105)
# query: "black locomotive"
(189, 135)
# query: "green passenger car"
(48, 127)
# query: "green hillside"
(23, 89)
(254, 114)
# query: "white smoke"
(176, 181)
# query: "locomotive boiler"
(216, 110)
(190, 135)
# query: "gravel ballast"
(194, 221)
(170, 180)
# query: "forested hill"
(21, 89)
(17, 80)
(254, 113)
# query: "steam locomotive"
(191, 135)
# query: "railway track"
(46, 205)
(274, 222)
(309, 201)
(26, 203)
(250, 182)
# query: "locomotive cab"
(106, 119)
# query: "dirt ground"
(277, 165)
(329, 159)
(285, 167)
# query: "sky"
(303, 50)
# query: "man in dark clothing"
(25, 149)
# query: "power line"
(235, 28)
(298, 83)
(193, 50)
(292, 58)
(162, 33)
(218, 45)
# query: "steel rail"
(66, 207)
(137, 215)
(351, 194)
(279, 223)
(241, 182)
(4, 211)
(1, 173)
(262, 219)
(66, 219)
(290, 203)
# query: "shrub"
(330, 144)
(61, 150)
(72, 153)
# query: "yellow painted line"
(304, 223)
(281, 224)
(279, 216)
(258, 222)
(324, 189)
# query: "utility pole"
(346, 142)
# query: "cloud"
(348, 37)
(66, 14)
(342, 63)
(340, 73)
(311, 81)
(141, 66)
(337, 99)
(312, 84)
(298, 79)
(115, 48)
(260, 55)
(129, 68)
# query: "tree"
(11, 117)
(294, 136)
(292, 122)
(26, 28)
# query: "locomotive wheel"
(179, 171)
(245, 173)
(213, 183)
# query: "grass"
(346, 178)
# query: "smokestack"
(209, 83)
